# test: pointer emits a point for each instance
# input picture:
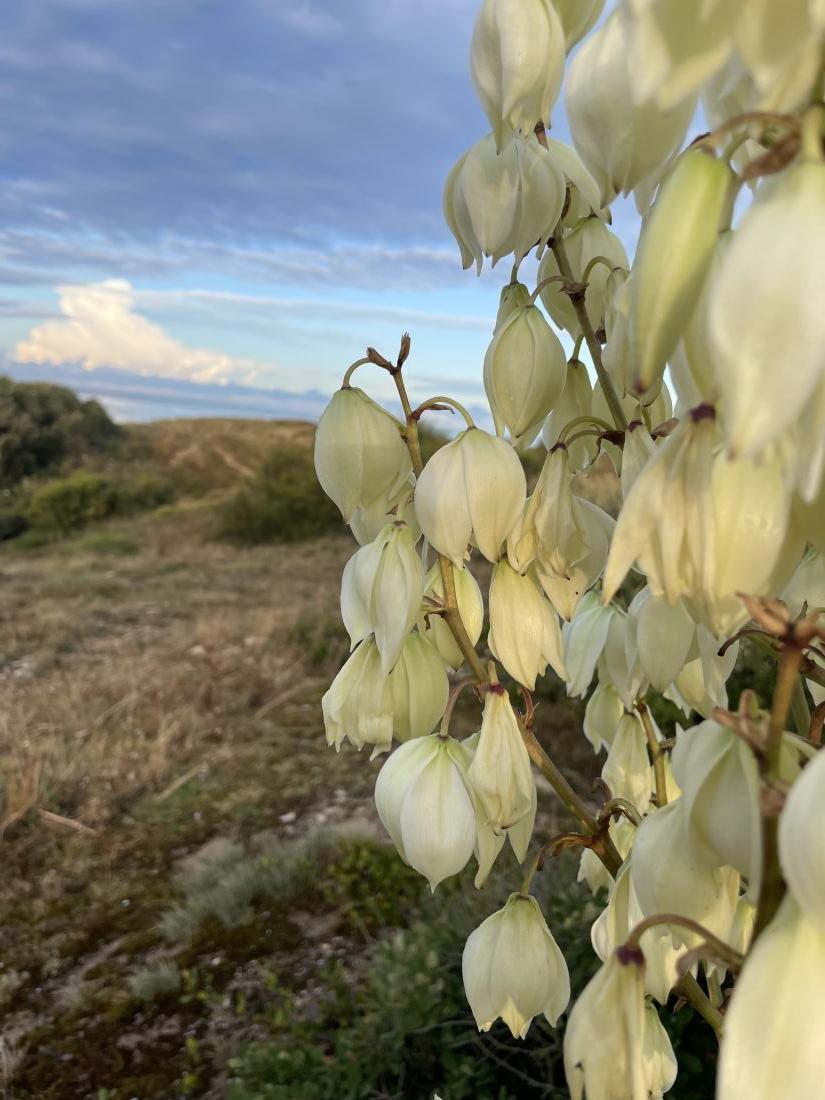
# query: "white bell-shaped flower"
(575, 401)
(584, 638)
(780, 985)
(800, 841)
(608, 1053)
(501, 203)
(470, 608)
(517, 62)
(359, 452)
(524, 372)
(692, 206)
(524, 628)
(665, 636)
(419, 688)
(500, 772)
(513, 969)
(358, 705)
(490, 841)
(627, 770)
(602, 715)
(473, 487)
(584, 197)
(757, 316)
(620, 141)
(382, 589)
(701, 685)
(578, 17)
(668, 877)
(368, 520)
(587, 239)
(780, 47)
(619, 663)
(806, 588)
(691, 362)
(423, 800)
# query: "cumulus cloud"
(100, 328)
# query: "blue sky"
(235, 191)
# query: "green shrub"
(284, 503)
(67, 503)
(142, 492)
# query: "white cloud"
(100, 328)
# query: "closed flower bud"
(574, 402)
(627, 769)
(501, 203)
(759, 317)
(422, 799)
(517, 62)
(781, 986)
(500, 773)
(588, 239)
(621, 142)
(474, 487)
(419, 688)
(524, 372)
(358, 705)
(800, 841)
(608, 1054)
(578, 17)
(513, 969)
(382, 589)
(668, 877)
(602, 715)
(470, 608)
(673, 258)
(524, 628)
(513, 297)
(584, 638)
(359, 452)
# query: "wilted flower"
(358, 705)
(621, 142)
(500, 773)
(513, 968)
(423, 800)
(589, 238)
(473, 487)
(501, 203)
(524, 628)
(470, 609)
(517, 62)
(419, 688)
(775, 1021)
(381, 591)
(524, 372)
(359, 453)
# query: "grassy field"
(197, 898)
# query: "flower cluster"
(705, 852)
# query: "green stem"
(350, 371)
(432, 402)
(594, 347)
(656, 755)
(799, 708)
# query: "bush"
(284, 503)
(67, 503)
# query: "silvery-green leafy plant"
(704, 849)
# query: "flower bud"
(497, 204)
(359, 452)
(584, 638)
(619, 140)
(358, 705)
(513, 969)
(800, 841)
(781, 983)
(674, 256)
(608, 1053)
(470, 609)
(524, 629)
(588, 239)
(627, 769)
(602, 715)
(419, 688)
(422, 799)
(574, 402)
(382, 589)
(473, 487)
(759, 317)
(517, 62)
(578, 17)
(500, 773)
(513, 297)
(524, 372)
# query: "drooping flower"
(358, 705)
(470, 609)
(587, 239)
(419, 688)
(524, 628)
(500, 772)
